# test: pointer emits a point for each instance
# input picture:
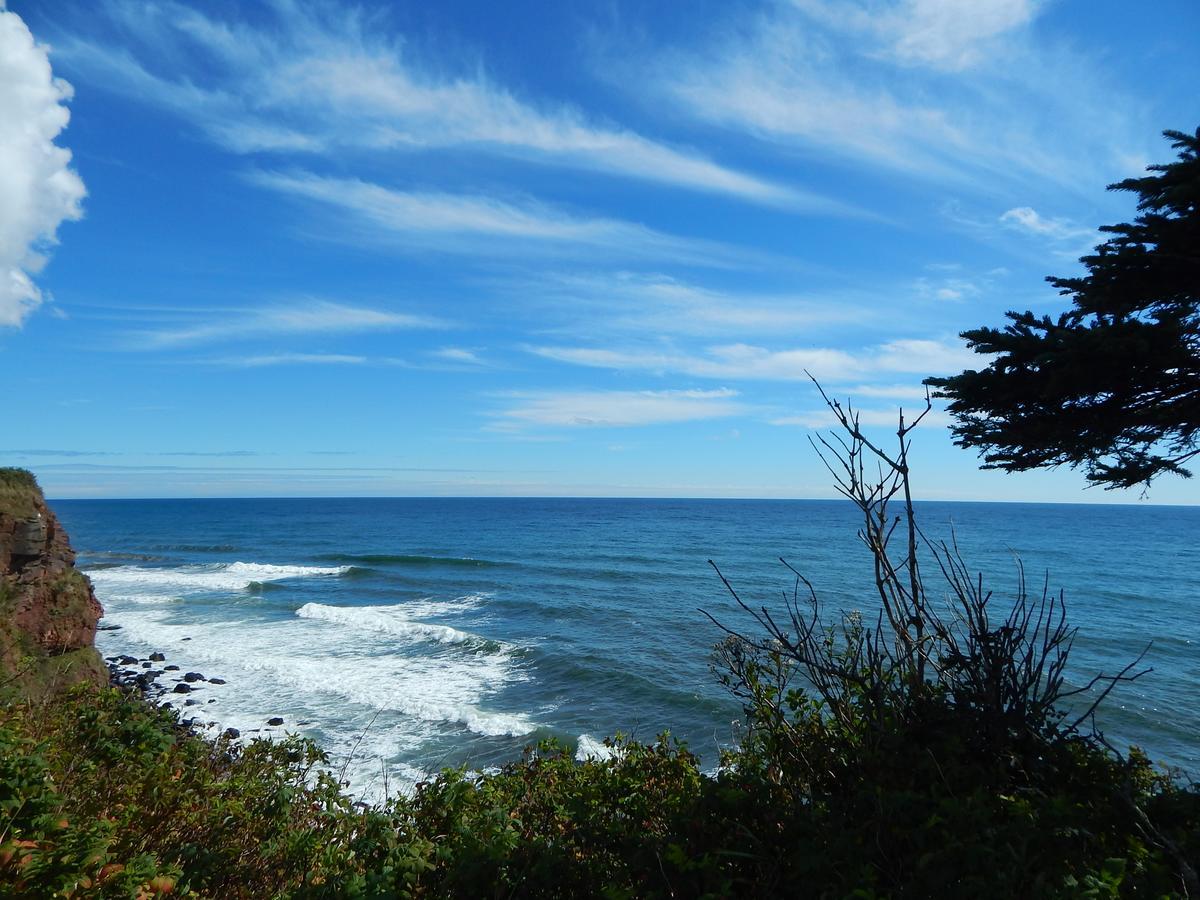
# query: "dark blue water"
(416, 633)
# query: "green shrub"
(19, 492)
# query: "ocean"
(405, 635)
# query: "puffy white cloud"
(38, 189)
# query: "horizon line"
(1126, 503)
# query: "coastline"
(165, 684)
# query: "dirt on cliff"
(48, 611)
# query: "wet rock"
(216, 681)
(190, 701)
(147, 665)
(128, 660)
(156, 657)
(108, 627)
(213, 700)
(185, 639)
(275, 720)
(194, 676)
(171, 668)
(232, 733)
(182, 688)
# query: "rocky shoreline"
(165, 684)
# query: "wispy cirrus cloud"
(944, 34)
(963, 93)
(741, 361)
(882, 418)
(290, 359)
(468, 223)
(460, 356)
(55, 452)
(1028, 220)
(918, 357)
(630, 302)
(325, 79)
(616, 409)
(300, 318)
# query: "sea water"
(405, 635)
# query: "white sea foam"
(238, 576)
(428, 607)
(391, 620)
(331, 668)
(280, 665)
(587, 747)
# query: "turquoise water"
(409, 634)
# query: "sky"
(591, 248)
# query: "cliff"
(48, 611)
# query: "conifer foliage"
(1112, 386)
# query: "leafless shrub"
(1007, 672)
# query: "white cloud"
(880, 418)
(949, 290)
(38, 189)
(655, 303)
(741, 361)
(305, 317)
(459, 355)
(1030, 221)
(749, 362)
(922, 357)
(291, 359)
(618, 408)
(963, 92)
(943, 34)
(886, 391)
(326, 80)
(461, 223)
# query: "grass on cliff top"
(19, 492)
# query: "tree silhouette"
(1112, 385)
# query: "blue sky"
(568, 248)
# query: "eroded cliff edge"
(48, 611)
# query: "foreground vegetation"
(929, 754)
(102, 795)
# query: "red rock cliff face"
(48, 608)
